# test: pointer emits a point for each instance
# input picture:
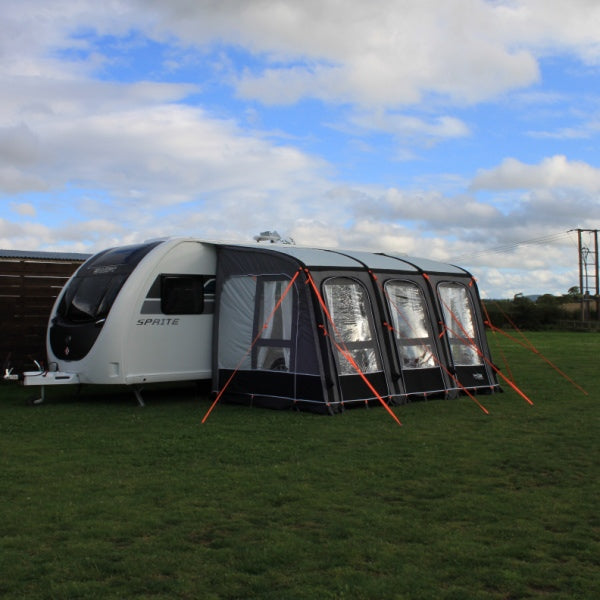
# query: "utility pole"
(589, 280)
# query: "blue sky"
(465, 131)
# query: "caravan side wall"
(171, 334)
(150, 333)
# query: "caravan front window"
(350, 311)
(89, 296)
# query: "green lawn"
(103, 499)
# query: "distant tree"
(498, 311)
(549, 310)
(523, 313)
(548, 299)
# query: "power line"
(508, 248)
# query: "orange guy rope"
(435, 358)
(527, 344)
(473, 345)
(531, 346)
(453, 377)
(536, 351)
(488, 321)
(491, 364)
(344, 351)
(355, 366)
(254, 341)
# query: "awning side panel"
(265, 333)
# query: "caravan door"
(463, 336)
(420, 364)
(356, 349)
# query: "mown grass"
(102, 499)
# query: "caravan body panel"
(145, 336)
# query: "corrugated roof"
(38, 255)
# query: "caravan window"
(258, 321)
(460, 323)
(89, 296)
(411, 323)
(275, 312)
(353, 327)
(182, 294)
(236, 322)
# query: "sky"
(464, 131)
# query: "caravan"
(134, 315)
(271, 325)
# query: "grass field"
(102, 499)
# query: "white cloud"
(407, 127)
(513, 282)
(387, 52)
(24, 209)
(24, 235)
(435, 209)
(127, 161)
(552, 172)
(14, 181)
(375, 55)
(18, 145)
(570, 25)
(169, 153)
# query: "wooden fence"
(574, 325)
(28, 289)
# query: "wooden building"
(29, 285)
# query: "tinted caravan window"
(182, 294)
(460, 323)
(89, 296)
(350, 310)
(411, 323)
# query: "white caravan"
(134, 315)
